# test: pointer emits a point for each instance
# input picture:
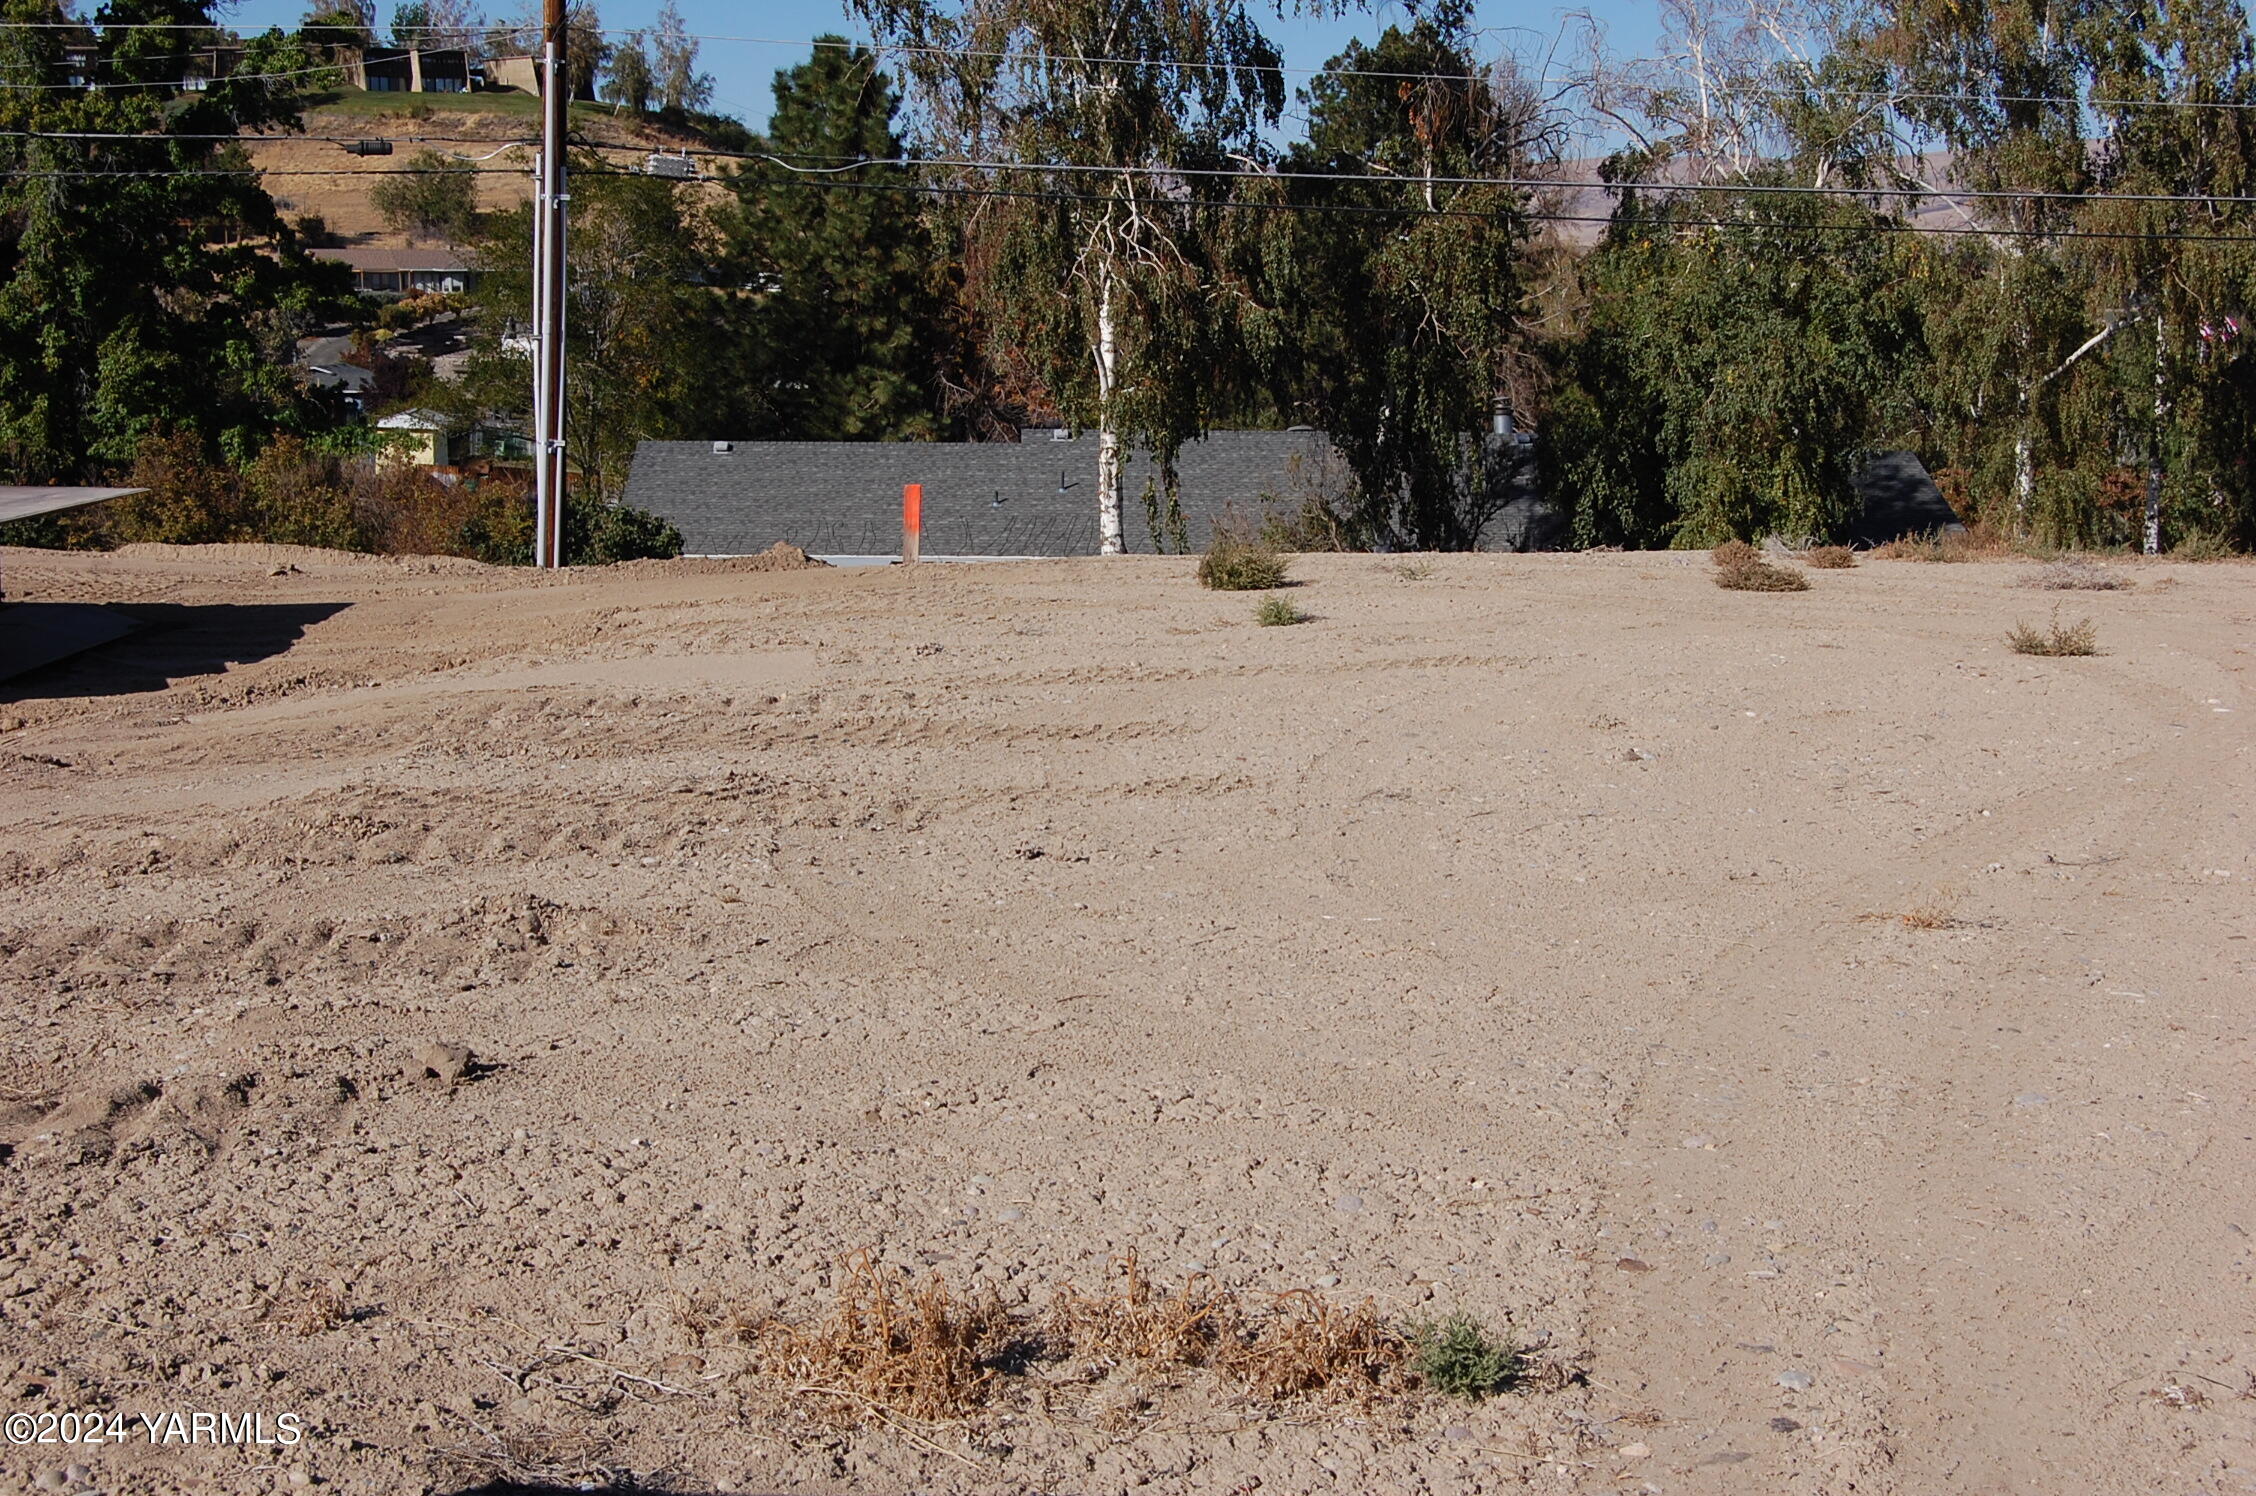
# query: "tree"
(146, 283)
(337, 23)
(1389, 292)
(1738, 363)
(681, 87)
(1101, 272)
(630, 82)
(644, 329)
(411, 22)
(447, 23)
(434, 197)
(843, 333)
(1749, 334)
(2126, 353)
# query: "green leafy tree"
(435, 197)
(630, 83)
(2127, 353)
(1737, 365)
(1103, 279)
(342, 23)
(842, 329)
(1390, 297)
(644, 328)
(1745, 347)
(411, 22)
(146, 284)
(681, 88)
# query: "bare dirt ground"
(1524, 936)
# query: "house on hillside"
(408, 69)
(525, 74)
(405, 272)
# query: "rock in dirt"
(441, 1066)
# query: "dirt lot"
(1823, 1027)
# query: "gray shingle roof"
(1035, 497)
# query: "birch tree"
(2127, 344)
(1098, 264)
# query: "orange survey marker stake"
(912, 520)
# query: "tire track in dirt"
(1916, 1347)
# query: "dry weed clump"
(1829, 557)
(1301, 1345)
(1308, 1347)
(892, 1346)
(2071, 574)
(1234, 563)
(1975, 542)
(1139, 1323)
(1739, 567)
(320, 1310)
(2061, 640)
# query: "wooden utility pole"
(549, 288)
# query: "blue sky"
(743, 70)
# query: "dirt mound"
(782, 556)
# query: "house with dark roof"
(1033, 497)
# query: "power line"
(1881, 226)
(195, 85)
(1533, 215)
(813, 44)
(1778, 189)
(1512, 183)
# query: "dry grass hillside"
(464, 124)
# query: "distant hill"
(472, 124)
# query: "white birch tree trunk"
(1110, 542)
(2024, 476)
(2154, 451)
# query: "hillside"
(465, 124)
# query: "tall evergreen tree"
(145, 283)
(841, 336)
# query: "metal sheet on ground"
(24, 503)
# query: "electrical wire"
(1532, 215)
(992, 54)
(1514, 183)
(1525, 184)
(1413, 211)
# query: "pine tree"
(842, 337)
(146, 284)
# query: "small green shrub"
(1278, 612)
(2060, 640)
(1829, 557)
(1455, 1356)
(1233, 563)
